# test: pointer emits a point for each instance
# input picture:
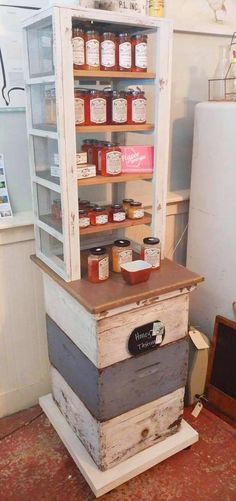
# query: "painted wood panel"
(120, 387)
(113, 441)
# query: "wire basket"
(227, 84)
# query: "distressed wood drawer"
(113, 441)
(120, 387)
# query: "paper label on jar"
(119, 110)
(125, 55)
(113, 162)
(108, 54)
(103, 268)
(78, 51)
(141, 55)
(84, 222)
(125, 256)
(79, 111)
(138, 213)
(98, 110)
(102, 219)
(118, 217)
(92, 53)
(152, 256)
(139, 110)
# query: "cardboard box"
(198, 360)
(126, 6)
(137, 159)
(85, 171)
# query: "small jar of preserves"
(78, 46)
(151, 252)
(119, 108)
(92, 50)
(90, 208)
(116, 214)
(98, 216)
(83, 204)
(96, 155)
(124, 52)
(84, 220)
(98, 265)
(139, 49)
(97, 107)
(108, 92)
(126, 203)
(135, 210)
(108, 51)
(87, 146)
(82, 107)
(137, 107)
(121, 253)
(110, 160)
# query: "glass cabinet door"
(40, 48)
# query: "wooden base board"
(103, 482)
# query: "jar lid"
(108, 33)
(98, 209)
(138, 36)
(116, 206)
(111, 145)
(151, 241)
(123, 34)
(92, 32)
(135, 204)
(127, 200)
(91, 206)
(82, 212)
(94, 91)
(84, 202)
(98, 251)
(122, 243)
(82, 90)
(88, 141)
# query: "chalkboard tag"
(146, 337)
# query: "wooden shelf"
(123, 178)
(90, 129)
(122, 75)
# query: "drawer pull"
(147, 371)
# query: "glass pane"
(46, 158)
(40, 48)
(52, 248)
(49, 207)
(43, 104)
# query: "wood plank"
(123, 178)
(94, 129)
(121, 75)
(102, 482)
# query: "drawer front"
(121, 387)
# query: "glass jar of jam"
(135, 210)
(124, 52)
(84, 220)
(137, 107)
(92, 50)
(151, 252)
(110, 160)
(83, 204)
(126, 203)
(116, 214)
(108, 92)
(97, 107)
(96, 155)
(108, 51)
(90, 208)
(98, 216)
(87, 146)
(98, 265)
(119, 113)
(82, 107)
(121, 253)
(78, 47)
(139, 50)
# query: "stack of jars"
(109, 51)
(95, 215)
(106, 107)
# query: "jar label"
(125, 256)
(119, 216)
(141, 55)
(84, 222)
(108, 53)
(79, 111)
(83, 172)
(138, 213)
(103, 268)
(98, 110)
(102, 219)
(139, 108)
(152, 256)
(119, 110)
(92, 53)
(113, 162)
(78, 50)
(125, 55)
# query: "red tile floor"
(35, 466)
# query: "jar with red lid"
(135, 210)
(92, 50)
(84, 220)
(99, 216)
(108, 92)
(139, 52)
(116, 214)
(78, 47)
(110, 160)
(83, 204)
(137, 107)
(98, 265)
(124, 52)
(81, 107)
(119, 108)
(151, 252)
(97, 107)
(108, 51)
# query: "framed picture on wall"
(203, 16)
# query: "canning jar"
(151, 252)
(108, 92)
(135, 210)
(126, 203)
(139, 50)
(90, 208)
(96, 154)
(137, 107)
(121, 253)
(108, 51)
(98, 216)
(116, 214)
(87, 146)
(124, 52)
(81, 106)
(78, 47)
(119, 108)
(97, 107)
(83, 204)
(110, 160)
(92, 50)
(98, 265)
(84, 219)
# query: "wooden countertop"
(113, 293)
